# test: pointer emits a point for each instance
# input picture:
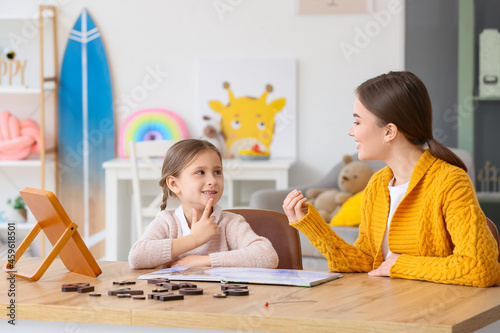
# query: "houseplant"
(19, 209)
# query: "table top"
(354, 302)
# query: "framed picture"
(254, 101)
(311, 7)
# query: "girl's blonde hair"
(177, 158)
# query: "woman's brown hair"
(401, 98)
(177, 158)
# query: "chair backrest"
(494, 231)
(146, 151)
(274, 226)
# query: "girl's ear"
(391, 132)
(172, 184)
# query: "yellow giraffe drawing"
(247, 122)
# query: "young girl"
(420, 218)
(198, 233)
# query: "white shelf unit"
(41, 86)
(23, 90)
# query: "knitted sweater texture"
(438, 229)
(236, 244)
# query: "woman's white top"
(397, 194)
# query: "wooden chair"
(494, 231)
(274, 226)
(145, 151)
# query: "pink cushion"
(18, 139)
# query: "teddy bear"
(353, 178)
(213, 134)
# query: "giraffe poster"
(253, 100)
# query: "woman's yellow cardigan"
(438, 228)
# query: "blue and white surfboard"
(86, 128)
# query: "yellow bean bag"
(350, 212)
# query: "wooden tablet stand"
(61, 232)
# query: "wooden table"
(355, 302)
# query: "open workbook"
(284, 277)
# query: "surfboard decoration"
(86, 128)
(150, 124)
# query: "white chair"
(143, 154)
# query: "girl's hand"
(295, 206)
(385, 268)
(204, 229)
(193, 260)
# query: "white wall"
(168, 36)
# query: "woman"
(420, 218)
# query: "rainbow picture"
(150, 124)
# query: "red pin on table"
(304, 301)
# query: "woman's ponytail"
(442, 152)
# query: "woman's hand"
(295, 206)
(385, 268)
(193, 260)
(204, 229)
